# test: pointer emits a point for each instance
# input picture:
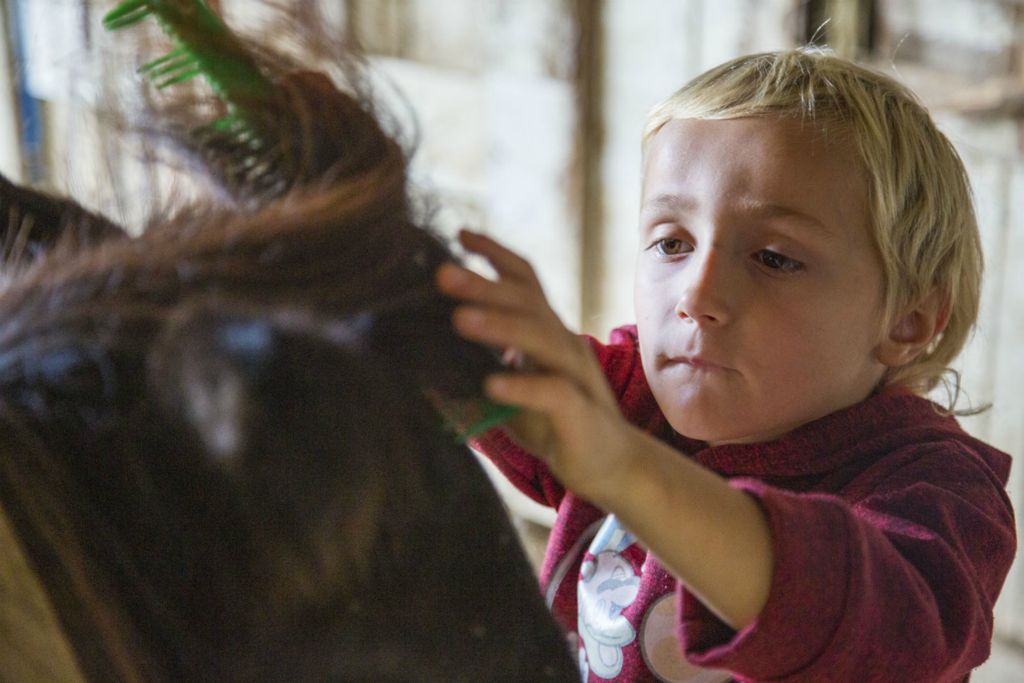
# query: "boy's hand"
(571, 421)
(570, 418)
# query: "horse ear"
(33, 223)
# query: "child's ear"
(911, 333)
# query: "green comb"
(205, 46)
(472, 418)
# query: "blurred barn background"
(529, 115)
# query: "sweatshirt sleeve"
(521, 468)
(897, 586)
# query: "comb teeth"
(127, 14)
(467, 418)
(175, 67)
(494, 414)
(243, 158)
(179, 78)
(204, 46)
(174, 59)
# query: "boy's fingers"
(541, 393)
(465, 285)
(513, 313)
(532, 337)
(505, 261)
(546, 347)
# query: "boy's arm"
(713, 537)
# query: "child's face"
(758, 291)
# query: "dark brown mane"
(216, 446)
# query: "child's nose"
(705, 295)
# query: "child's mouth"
(696, 362)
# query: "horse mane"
(218, 446)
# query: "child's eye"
(776, 261)
(670, 247)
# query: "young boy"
(750, 480)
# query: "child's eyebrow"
(794, 216)
(751, 208)
(668, 201)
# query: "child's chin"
(718, 427)
(709, 430)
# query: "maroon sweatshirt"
(892, 536)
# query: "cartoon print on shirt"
(607, 585)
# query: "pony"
(222, 443)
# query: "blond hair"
(920, 203)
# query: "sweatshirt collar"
(877, 424)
